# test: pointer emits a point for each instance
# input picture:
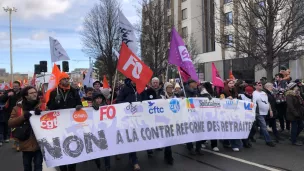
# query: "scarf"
(64, 88)
(29, 105)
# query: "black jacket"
(272, 102)
(71, 101)
(12, 100)
(3, 111)
(129, 94)
(191, 92)
(152, 94)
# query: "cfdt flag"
(132, 67)
(127, 32)
(179, 55)
(57, 51)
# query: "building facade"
(202, 20)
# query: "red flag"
(33, 81)
(132, 67)
(216, 78)
(231, 77)
(105, 82)
(11, 84)
(185, 76)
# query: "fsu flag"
(132, 67)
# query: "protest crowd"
(281, 100)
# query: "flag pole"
(114, 84)
(167, 71)
(182, 82)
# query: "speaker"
(59, 67)
(65, 66)
(43, 66)
(37, 69)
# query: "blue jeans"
(296, 128)
(133, 158)
(28, 157)
(263, 128)
(235, 143)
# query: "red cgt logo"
(49, 120)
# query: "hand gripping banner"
(69, 136)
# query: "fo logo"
(108, 111)
(137, 67)
(49, 120)
(80, 116)
(248, 106)
(174, 105)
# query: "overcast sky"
(36, 20)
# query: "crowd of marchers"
(280, 100)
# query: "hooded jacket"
(295, 109)
(129, 94)
(72, 99)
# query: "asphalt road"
(283, 157)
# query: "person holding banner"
(168, 94)
(208, 92)
(230, 92)
(19, 120)
(191, 91)
(128, 94)
(64, 97)
(99, 100)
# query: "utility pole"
(10, 11)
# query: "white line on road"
(242, 161)
(44, 168)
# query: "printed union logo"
(108, 111)
(80, 116)
(209, 104)
(49, 120)
(230, 104)
(248, 106)
(132, 109)
(190, 105)
(153, 109)
(174, 105)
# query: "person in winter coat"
(230, 92)
(99, 100)
(272, 119)
(247, 96)
(20, 116)
(177, 90)
(129, 94)
(295, 111)
(155, 90)
(97, 85)
(11, 98)
(168, 94)
(64, 97)
(2, 118)
(207, 91)
(192, 91)
(87, 99)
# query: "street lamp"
(10, 10)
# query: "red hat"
(249, 89)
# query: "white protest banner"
(69, 136)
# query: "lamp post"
(10, 11)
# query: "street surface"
(283, 157)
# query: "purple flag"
(180, 56)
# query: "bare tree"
(267, 31)
(154, 35)
(101, 34)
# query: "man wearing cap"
(97, 85)
(260, 98)
(64, 97)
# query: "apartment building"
(200, 19)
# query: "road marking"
(47, 169)
(241, 160)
